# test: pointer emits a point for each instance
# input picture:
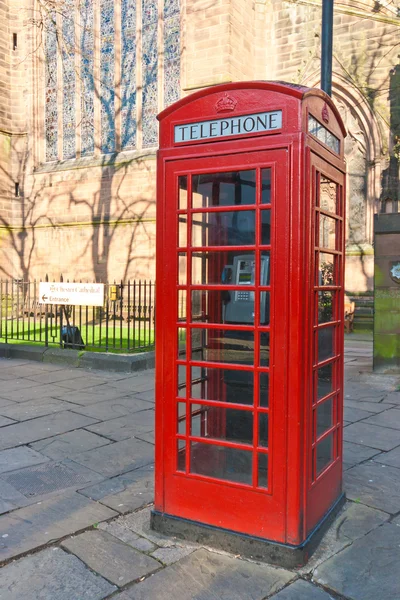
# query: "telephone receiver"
(226, 275)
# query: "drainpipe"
(326, 46)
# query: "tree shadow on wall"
(110, 207)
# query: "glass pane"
(223, 424)
(200, 304)
(263, 389)
(265, 268)
(264, 308)
(182, 231)
(265, 186)
(224, 189)
(325, 343)
(325, 381)
(181, 343)
(327, 195)
(219, 345)
(265, 234)
(327, 232)
(182, 194)
(263, 429)
(264, 349)
(324, 453)
(220, 462)
(181, 407)
(326, 307)
(233, 228)
(225, 385)
(262, 479)
(182, 266)
(326, 269)
(181, 466)
(228, 268)
(197, 420)
(182, 381)
(324, 417)
(181, 305)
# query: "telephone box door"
(225, 302)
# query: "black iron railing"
(125, 322)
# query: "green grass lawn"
(120, 339)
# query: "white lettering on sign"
(75, 294)
(204, 130)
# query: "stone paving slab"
(302, 590)
(12, 385)
(5, 402)
(354, 521)
(171, 555)
(112, 409)
(11, 371)
(115, 485)
(60, 374)
(139, 522)
(353, 454)
(10, 498)
(33, 392)
(207, 575)
(375, 485)
(35, 408)
(5, 421)
(117, 458)
(137, 384)
(371, 407)
(92, 395)
(391, 458)
(148, 395)
(39, 481)
(69, 444)
(111, 558)
(149, 437)
(393, 398)
(135, 496)
(82, 383)
(389, 418)
(368, 569)
(19, 458)
(127, 536)
(31, 527)
(358, 391)
(354, 414)
(372, 436)
(52, 575)
(126, 427)
(41, 428)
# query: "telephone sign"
(249, 352)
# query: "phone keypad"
(243, 296)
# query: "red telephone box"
(249, 350)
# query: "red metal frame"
(296, 498)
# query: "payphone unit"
(239, 306)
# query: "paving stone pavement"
(77, 482)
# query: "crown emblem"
(225, 104)
(325, 113)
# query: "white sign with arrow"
(75, 294)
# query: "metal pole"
(326, 46)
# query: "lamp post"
(326, 46)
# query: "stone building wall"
(94, 216)
(365, 52)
